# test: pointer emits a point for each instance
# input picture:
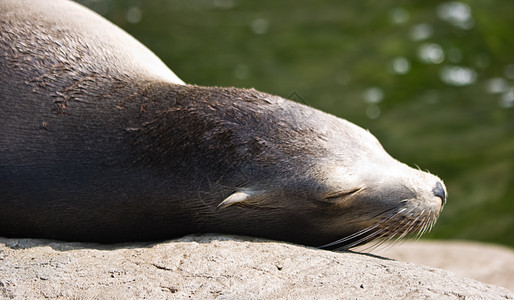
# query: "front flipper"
(241, 197)
(246, 197)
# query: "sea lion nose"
(439, 192)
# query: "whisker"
(413, 224)
(349, 237)
(426, 227)
(361, 232)
(378, 242)
(360, 241)
(396, 228)
(395, 234)
(371, 246)
(376, 234)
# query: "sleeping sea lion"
(101, 142)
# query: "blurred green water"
(433, 80)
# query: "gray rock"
(222, 267)
(483, 262)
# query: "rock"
(483, 262)
(224, 267)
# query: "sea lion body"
(101, 142)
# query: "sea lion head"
(374, 195)
(381, 198)
(331, 183)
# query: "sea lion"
(101, 142)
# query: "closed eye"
(337, 196)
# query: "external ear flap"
(241, 197)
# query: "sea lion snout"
(381, 197)
(386, 208)
(430, 190)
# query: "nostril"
(439, 192)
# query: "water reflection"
(456, 13)
(373, 111)
(134, 15)
(259, 26)
(457, 75)
(496, 85)
(224, 4)
(431, 53)
(373, 95)
(509, 71)
(399, 15)
(421, 32)
(400, 65)
(507, 99)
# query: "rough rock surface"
(224, 267)
(483, 262)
